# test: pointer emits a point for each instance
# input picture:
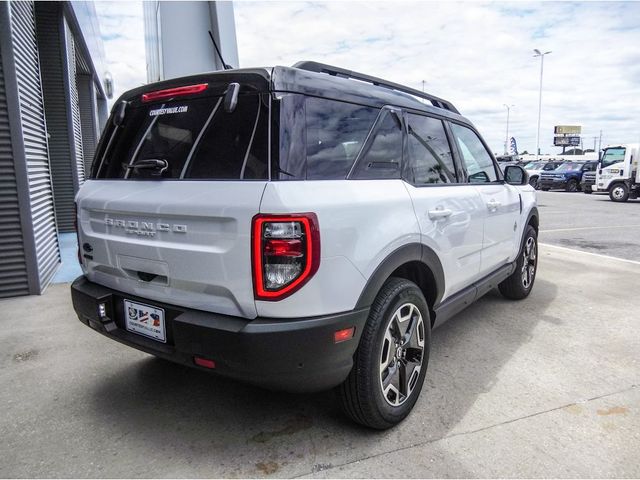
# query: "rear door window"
(194, 138)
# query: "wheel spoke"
(403, 380)
(392, 376)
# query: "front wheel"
(572, 185)
(391, 361)
(534, 182)
(519, 284)
(619, 192)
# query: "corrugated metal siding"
(27, 67)
(75, 105)
(48, 24)
(87, 98)
(13, 266)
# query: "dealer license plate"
(145, 320)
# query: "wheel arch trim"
(412, 252)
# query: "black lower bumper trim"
(283, 354)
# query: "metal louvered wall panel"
(75, 105)
(48, 27)
(34, 132)
(13, 265)
(88, 119)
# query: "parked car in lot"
(300, 228)
(566, 177)
(534, 169)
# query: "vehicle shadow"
(203, 425)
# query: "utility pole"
(594, 143)
(600, 144)
(538, 53)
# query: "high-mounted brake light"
(286, 253)
(174, 92)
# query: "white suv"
(299, 228)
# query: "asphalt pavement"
(591, 223)
(545, 387)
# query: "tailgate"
(183, 243)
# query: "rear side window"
(479, 164)
(429, 158)
(334, 136)
(194, 138)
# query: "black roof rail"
(342, 72)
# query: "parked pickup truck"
(567, 176)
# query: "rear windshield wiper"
(149, 164)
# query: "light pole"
(506, 140)
(538, 53)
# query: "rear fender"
(408, 253)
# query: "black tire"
(544, 189)
(587, 190)
(572, 185)
(518, 286)
(619, 192)
(361, 395)
(535, 182)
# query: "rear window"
(192, 139)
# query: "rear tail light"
(286, 253)
(174, 92)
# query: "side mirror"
(231, 97)
(516, 175)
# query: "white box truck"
(618, 172)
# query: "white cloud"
(477, 55)
(123, 35)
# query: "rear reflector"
(344, 334)
(174, 92)
(204, 362)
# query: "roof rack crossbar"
(342, 72)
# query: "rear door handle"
(493, 205)
(439, 213)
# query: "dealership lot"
(592, 223)
(549, 386)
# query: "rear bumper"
(283, 354)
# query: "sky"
(477, 55)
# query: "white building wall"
(177, 38)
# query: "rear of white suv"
(296, 230)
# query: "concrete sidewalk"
(545, 387)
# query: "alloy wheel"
(402, 354)
(529, 262)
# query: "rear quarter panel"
(361, 222)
